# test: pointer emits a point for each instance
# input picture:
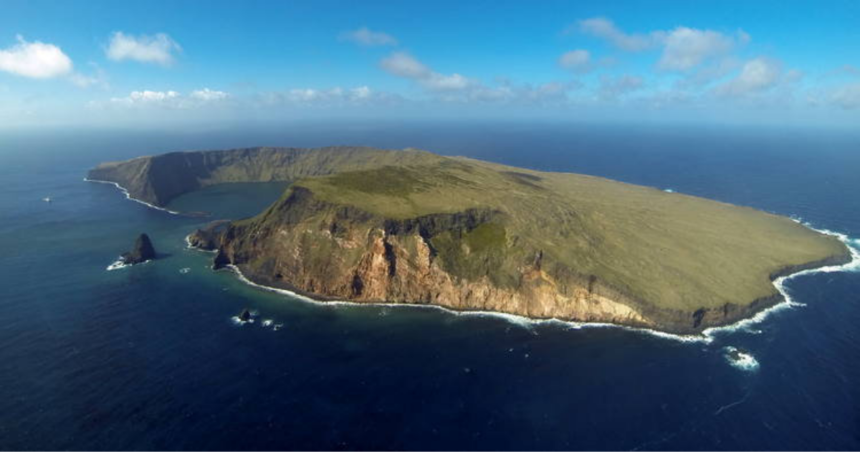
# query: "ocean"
(149, 357)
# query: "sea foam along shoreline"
(788, 302)
(128, 196)
(707, 335)
(521, 321)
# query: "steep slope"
(472, 235)
(158, 179)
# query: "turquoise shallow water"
(148, 357)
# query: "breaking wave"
(741, 359)
(706, 337)
(788, 302)
(128, 196)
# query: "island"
(143, 251)
(409, 226)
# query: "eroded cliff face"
(339, 252)
(466, 261)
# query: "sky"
(156, 63)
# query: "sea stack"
(142, 251)
(245, 315)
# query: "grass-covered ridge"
(667, 255)
(672, 250)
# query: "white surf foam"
(707, 336)
(267, 322)
(117, 265)
(128, 196)
(520, 321)
(669, 190)
(789, 302)
(745, 361)
(184, 270)
(236, 320)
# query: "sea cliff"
(411, 227)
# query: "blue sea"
(149, 357)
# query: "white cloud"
(367, 37)
(612, 88)
(685, 47)
(361, 92)
(847, 96)
(156, 49)
(708, 73)
(577, 60)
(757, 75)
(169, 99)
(459, 88)
(35, 60)
(453, 82)
(207, 94)
(402, 64)
(147, 97)
(527, 94)
(604, 28)
(332, 97)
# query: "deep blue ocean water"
(148, 358)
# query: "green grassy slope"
(160, 178)
(672, 250)
(666, 250)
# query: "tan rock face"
(333, 256)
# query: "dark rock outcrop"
(245, 315)
(143, 251)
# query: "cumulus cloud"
(682, 47)
(367, 37)
(35, 60)
(453, 82)
(146, 97)
(404, 65)
(170, 99)
(576, 60)
(708, 73)
(550, 93)
(612, 88)
(847, 96)
(157, 49)
(756, 75)
(459, 88)
(208, 95)
(604, 28)
(332, 97)
(685, 47)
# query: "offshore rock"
(143, 251)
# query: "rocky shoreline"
(410, 227)
(741, 315)
(597, 302)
